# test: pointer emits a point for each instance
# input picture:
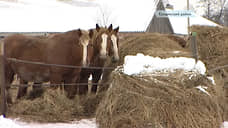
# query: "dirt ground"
(53, 106)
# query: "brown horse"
(70, 48)
(114, 53)
(110, 38)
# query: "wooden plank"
(194, 46)
(2, 79)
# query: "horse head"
(102, 41)
(115, 45)
(87, 47)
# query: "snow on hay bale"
(159, 99)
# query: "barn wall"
(161, 25)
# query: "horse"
(112, 62)
(72, 48)
(110, 37)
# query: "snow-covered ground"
(58, 16)
(139, 64)
(15, 123)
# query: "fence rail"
(56, 65)
(49, 85)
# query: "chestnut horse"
(70, 48)
(110, 42)
(112, 62)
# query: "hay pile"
(164, 100)
(212, 45)
(213, 50)
(153, 44)
(54, 106)
(160, 101)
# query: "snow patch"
(141, 64)
(14, 123)
(203, 89)
(211, 78)
(7, 123)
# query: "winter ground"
(85, 123)
(134, 65)
(15, 123)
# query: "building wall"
(160, 25)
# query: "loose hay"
(159, 102)
(54, 106)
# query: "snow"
(212, 79)
(141, 64)
(225, 124)
(44, 16)
(203, 89)
(58, 16)
(8, 123)
(180, 23)
(14, 123)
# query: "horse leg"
(55, 80)
(22, 90)
(37, 91)
(84, 76)
(96, 74)
(71, 90)
(103, 86)
(75, 79)
(9, 77)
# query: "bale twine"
(169, 100)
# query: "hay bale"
(213, 51)
(153, 44)
(160, 101)
(212, 45)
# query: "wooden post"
(188, 22)
(2, 79)
(194, 46)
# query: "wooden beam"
(2, 79)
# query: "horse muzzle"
(103, 57)
(85, 64)
(115, 59)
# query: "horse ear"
(79, 32)
(98, 28)
(116, 30)
(110, 28)
(91, 33)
